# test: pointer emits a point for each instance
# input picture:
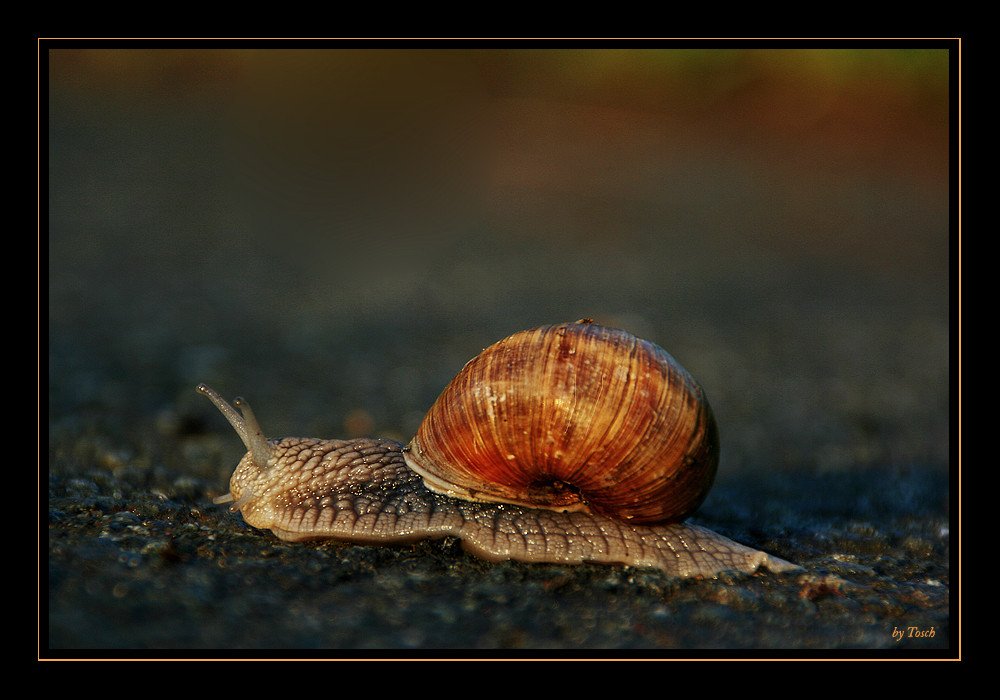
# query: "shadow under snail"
(568, 443)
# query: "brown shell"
(574, 416)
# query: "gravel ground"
(803, 278)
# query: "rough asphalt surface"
(807, 291)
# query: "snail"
(567, 443)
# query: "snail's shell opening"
(554, 493)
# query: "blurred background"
(333, 232)
(356, 224)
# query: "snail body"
(567, 444)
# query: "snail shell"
(568, 443)
(572, 417)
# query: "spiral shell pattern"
(572, 417)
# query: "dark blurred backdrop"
(224, 214)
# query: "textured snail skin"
(362, 491)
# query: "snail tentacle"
(246, 426)
(238, 503)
